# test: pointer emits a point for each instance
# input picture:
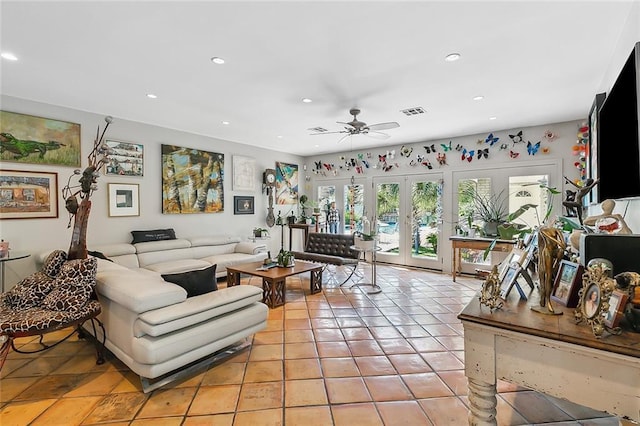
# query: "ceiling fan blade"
(345, 137)
(377, 135)
(328, 133)
(347, 125)
(384, 126)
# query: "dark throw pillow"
(99, 255)
(153, 235)
(195, 282)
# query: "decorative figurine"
(551, 247)
(490, 294)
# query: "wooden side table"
(458, 243)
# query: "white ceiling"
(534, 62)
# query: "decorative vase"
(490, 229)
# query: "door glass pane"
(426, 211)
(387, 214)
(353, 208)
(529, 190)
(468, 222)
(326, 195)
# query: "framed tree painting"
(38, 140)
(125, 159)
(28, 195)
(286, 183)
(192, 181)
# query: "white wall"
(36, 235)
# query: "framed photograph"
(617, 303)
(509, 279)
(243, 205)
(592, 147)
(286, 183)
(192, 181)
(28, 195)
(38, 140)
(567, 283)
(515, 255)
(592, 301)
(125, 159)
(124, 199)
(244, 173)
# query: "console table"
(549, 354)
(479, 243)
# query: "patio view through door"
(409, 219)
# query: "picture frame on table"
(515, 255)
(567, 284)
(124, 199)
(28, 195)
(617, 303)
(243, 204)
(509, 280)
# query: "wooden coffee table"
(273, 280)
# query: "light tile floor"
(340, 357)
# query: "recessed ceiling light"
(306, 100)
(493, 118)
(279, 136)
(478, 98)
(225, 123)
(217, 60)
(452, 57)
(316, 146)
(9, 56)
(152, 96)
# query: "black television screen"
(618, 143)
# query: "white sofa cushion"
(178, 266)
(195, 309)
(137, 291)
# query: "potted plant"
(286, 259)
(260, 232)
(491, 209)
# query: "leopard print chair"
(59, 296)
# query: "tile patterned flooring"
(339, 357)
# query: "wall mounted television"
(618, 142)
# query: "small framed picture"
(124, 199)
(617, 303)
(567, 283)
(243, 205)
(124, 159)
(592, 301)
(509, 279)
(515, 255)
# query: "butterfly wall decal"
(406, 151)
(430, 149)
(483, 153)
(532, 149)
(503, 146)
(549, 136)
(446, 147)
(517, 138)
(467, 155)
(513, 154)
(391, 154)
(442, 158)
(491, 139)
(459, 147)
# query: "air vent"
(413, 111)
(318, 129)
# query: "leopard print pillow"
(29, 292)
(54, 262)
(73, 286)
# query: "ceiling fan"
(357, 127)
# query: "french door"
(409, 219)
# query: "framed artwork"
(592, 148)
(515, 255)
(38, 140)
(567, 284)
(244, 173)
(243, 205)
(617, 303)
(509, 279)
(286, 183)
(28, 195)
(124, 199)
(125, 159)
(192, 181)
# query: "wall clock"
(269, 180)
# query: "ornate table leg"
(482, 401)
(273, 292)
(316, 281)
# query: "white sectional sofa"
(152, 326)
(185, 254)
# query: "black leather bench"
(331, 249)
